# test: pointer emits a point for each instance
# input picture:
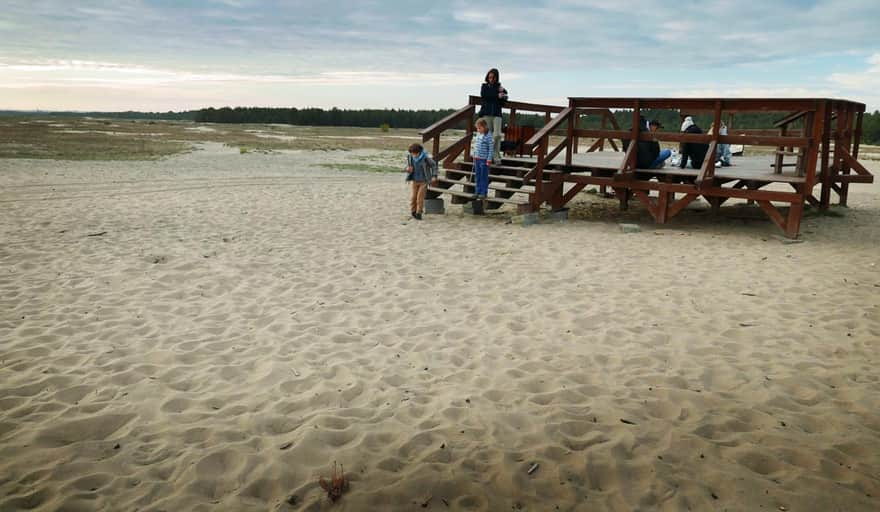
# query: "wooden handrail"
(700, 138)
(550, 127)
(452, 119)
(455, 148)
(521, 105)
(702, 104)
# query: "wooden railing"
(435, 131)
(811, 111)
(541, 142)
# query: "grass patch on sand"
(360, 167)
(22, 138)
(85, 138)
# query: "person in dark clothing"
(494, 95)
(646, 151)
(663, 155)
(696, 151)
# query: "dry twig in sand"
(337, 484)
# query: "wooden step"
(492, 186)
(474, 196)
(520, 170)
(497, 177)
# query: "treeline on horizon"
(396, 118)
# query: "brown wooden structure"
(824, 151)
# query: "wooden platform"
(751, 168)
(815, 143)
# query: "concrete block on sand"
(435, 206)
(525, 219)
(559, 215)
(630, 228)
(475, 207)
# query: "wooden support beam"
(625, 171)
(794, 116)
(707, 170)
(854, 164)
(680, 205)
(572, 192)
(773, 213)
(645, 199)
(598, 145)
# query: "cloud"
(578, 46)
(867, 79)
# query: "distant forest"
(424, 118)
(393, 118)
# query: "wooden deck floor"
(754, 168)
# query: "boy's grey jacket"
(428, 165)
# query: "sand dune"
(245, 320)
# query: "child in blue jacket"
(421, 170)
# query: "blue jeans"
(481, 170)
(723, 154)
(662, 157)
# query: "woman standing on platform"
(494, 96)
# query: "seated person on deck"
(696, 151)
(647, 152)
(662, 155)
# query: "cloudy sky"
(183, 54)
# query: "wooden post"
(852, 145)
(604, 119)
(847, 145)
(815, 123)
(707, 170)
(777, 167)
(538, 196)
(569, 135)
(825, 173)
(469, 131)
(511, 127)
(631, 163)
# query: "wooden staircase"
(505, 184)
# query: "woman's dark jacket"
(695, 150)
(491, 105)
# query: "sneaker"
(718, 163)
(413, 215)
(418, 216)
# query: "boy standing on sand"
(482, 153)
(420, 169)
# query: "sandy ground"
(211, 331)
